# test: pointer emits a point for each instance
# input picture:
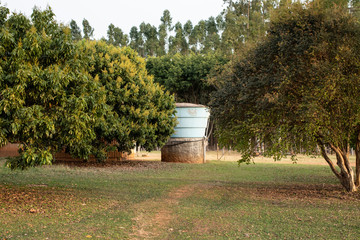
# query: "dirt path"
(149, 225)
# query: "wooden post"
(204, 150)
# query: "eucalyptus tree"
(212, 39)
(188, 28)
(137, 41)
(87, 29)
(164, 30)
(75, 31)
(150, 35)
(178, 43)
(245, 21)
(197, 36)
(116, 36)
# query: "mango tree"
(141, 111)
(56, 94)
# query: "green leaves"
(42, 89)
(298, 85)
(188, 76)
(30, 157)
(136, 104)
(84, 98)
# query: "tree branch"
(340, 159)
(327, 159)
(357, 154)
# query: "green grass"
(141, 200)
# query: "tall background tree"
(164, 29)
(75, 31)
(116, 36)
(87, 29)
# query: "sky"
(122, 13)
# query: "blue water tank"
(192, 120)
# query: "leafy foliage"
(297, 89)
(186, 76)
(87, 29)
(45, 96)
(142, 112)
(75, 31)
(116, 36)
(57, 95)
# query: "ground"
(144, 199)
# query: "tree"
(188, 28)
(142, 112)
(85, 98)
(151, 42)
(47, 101)
(137, 41)
(298, 89)
(178, 43)
(186, 76)
(87, 29)
(75, 31)
(245, 21)
(212, 40)
(116, 36)
(197, 36)
(164, 29)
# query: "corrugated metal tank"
(188, 143)
(192, 120)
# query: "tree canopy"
(297, 89)
(187, 76)
(140, 110)
(56, 94)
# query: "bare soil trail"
(154, 217)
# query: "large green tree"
(178, 43)
(150, 36)
(142, 112)
(186, 76)
(298, 89)
(85, 98)
(48, 102)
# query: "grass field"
(154, 200)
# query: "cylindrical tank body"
(188, 143)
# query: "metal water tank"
(188, 143)
(192, 120)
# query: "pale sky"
(122, 13)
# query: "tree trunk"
(346, 174)
(357, 167)
(348, 183)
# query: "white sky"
(122, 13)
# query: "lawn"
(154, 200)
